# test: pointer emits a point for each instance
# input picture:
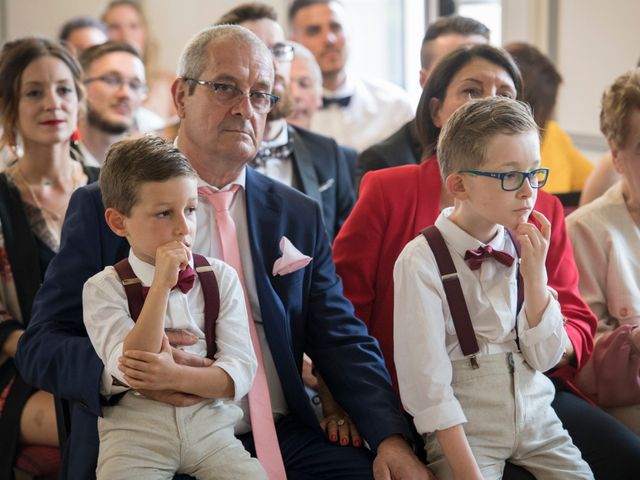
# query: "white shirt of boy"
(424, 334)
(108, 321)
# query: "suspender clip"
(449, 276)
(474, 361)
(205, 268)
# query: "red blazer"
(394, 205)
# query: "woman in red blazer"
(395, 204)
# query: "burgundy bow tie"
(186, 279)
(479, 255)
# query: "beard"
(285, 105)
(96, 120)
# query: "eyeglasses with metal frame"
(282, 52)
(116, 81)
(228, 95)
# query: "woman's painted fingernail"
(344, 441)
(333, 437)
(356, 443)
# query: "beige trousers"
(142, 438)
(509, 417)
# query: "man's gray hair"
(195, 56)
(300, 51)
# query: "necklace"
(53, 215)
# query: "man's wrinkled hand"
(396, 461)
(184, 338)
(190, 359)
(180, 338)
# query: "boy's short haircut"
(464, 138)
(618, 102)
(130, 163)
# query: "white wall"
(597, 41)
(172, 22)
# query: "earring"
(18, 146)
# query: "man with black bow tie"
(357, 112)
(310, 163)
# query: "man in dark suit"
(404, 147)
(224, 76)
(306, 161)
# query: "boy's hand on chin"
(534, 244)
(170, 259)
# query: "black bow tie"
(281, 152)
(340, 101)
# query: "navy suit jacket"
(304, 311)
(325, 176)
(351, 155)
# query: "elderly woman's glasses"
(510, 181)
(228, 95)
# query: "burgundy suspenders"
(455, 296)
(135, 297)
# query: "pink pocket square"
(291, 260)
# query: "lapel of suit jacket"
(303, 162)
(429, 187)
(264, 210)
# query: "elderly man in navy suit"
(225, 74)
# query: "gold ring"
(340, 422)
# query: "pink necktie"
(262, 426)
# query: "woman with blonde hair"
(605, 235)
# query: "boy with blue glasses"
(475, 324)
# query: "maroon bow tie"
(479, 255)
(186, 279)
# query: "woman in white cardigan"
(605, 235)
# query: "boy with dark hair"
(150, 194)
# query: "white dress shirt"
(207, 240)
(424, 335)
(108, 321)
(606, 244)
(280, 169)
(376, 110)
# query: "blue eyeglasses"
(510, 181)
